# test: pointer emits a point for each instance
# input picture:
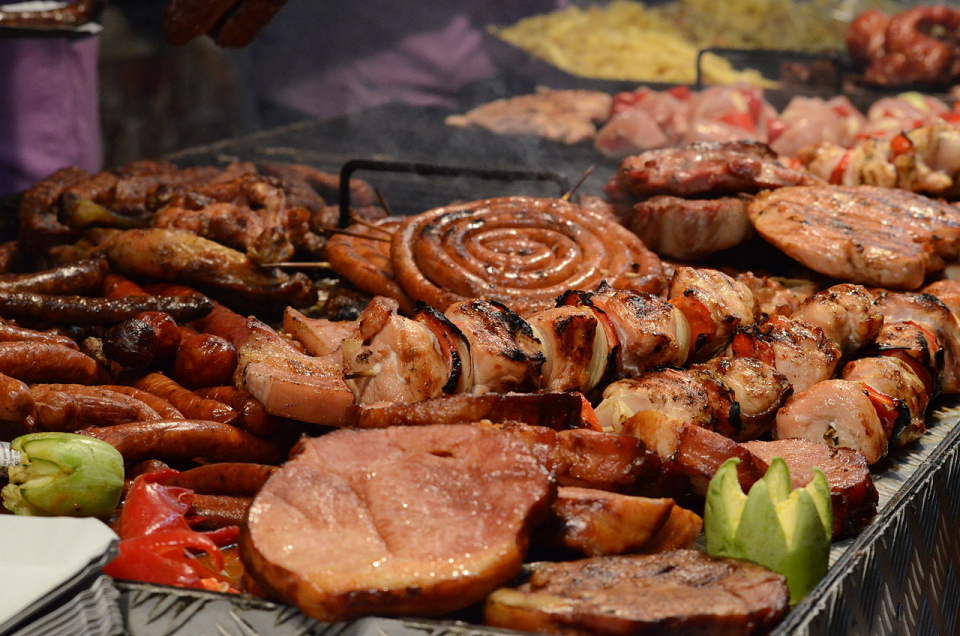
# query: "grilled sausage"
(239, 479)
(83, 277)
(117, 286)
(253, 417)
(191, 405)
(16, 400)
(33, 362)
(131, 343)
(214, 511)
(81, 310)
(163, 408)
(167, 332)
(12, 333)
(204, 360)
(186, 440)
(69, 407)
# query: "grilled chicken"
(504, 353)
(681, 592)
(575, 349)
(392, 358)
(777, 296)
(846, 314)
(796, 349)
(948, 291)
(714, 304)
(837, 413)
(690, 229)
(915, 346)
(929, 312)
(758, 388)
(861, 234)
(903, 393)
(674, 392)
(647, 330)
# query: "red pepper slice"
(836, 176)
(588, 417)
(627, 100)
(754, 106)
(151, 506)
(952, 117)
(684, 92)
(740, 120)
(900, 145)
(889, 409)
(775, 128)
(923, 373)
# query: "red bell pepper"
(900, 145)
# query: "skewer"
(383, 201)
(576, 186)
(373, 226)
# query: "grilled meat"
(902, 391)
(860, 234)
(674, 392)
(758, 389)
(690, 229)
(681, 592)
(574, 346)
(776, 296)
(846, 314)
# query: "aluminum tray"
(901, 575)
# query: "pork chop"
(861, 234)
(404, 520)
(687, 229)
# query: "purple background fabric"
(49, 116)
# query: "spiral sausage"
(520, 251)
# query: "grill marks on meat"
(702, 169)
(684, 591)
(862, 234)
(846, 314)
(690, 229)
(758, 388)
(575, 348)
(421, 520)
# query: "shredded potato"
(627, 41)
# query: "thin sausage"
(186, 440)
(163, 408)
(204, 360)
(221, 321)
(13, 333)
(253, 417)
(214, 511)
(239, 479)
(187, 402)
(69, 407)
(82, 277)
(16, 400)
(34, 362)
(81, 310)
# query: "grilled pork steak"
(680, 592)
(861, 234)
(691, 228)
(405, 520)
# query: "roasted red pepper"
(900, 145)
(702, 325)
(836, 176)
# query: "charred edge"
(446, 333)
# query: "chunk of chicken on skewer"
(846, 314)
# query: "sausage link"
(117, 286)
(168, 334)
(238, 479)
(221, 321)
(253, 417)
(186, 440)
(69, 407)
(146, 466)
(131, 343)
(13, 333)
(16, 399)
(215, 511)
(82, 277)
(34, 362)
(163, 408)
(187, 402)
(81, 310)
(204, 360)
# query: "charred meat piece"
(39, 228)
(599, 523)
(674, 392)
(758, 389)
(796, 349)
(392, 358)
(917, 347)
(948, 291)
(901, 390)
(691, 229)
(846, 313)
(703, 168)
(929, 312)
(862, 234)
(504, 353)
(404, 520)
(777, 296)
(851, 486)
(714, 304)
(836, 413)
(574, 346)
(644, 331)
(680, 592)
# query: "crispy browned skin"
(191, 405)
(167, 334)
(593, 459)
(237, 479)
(846, 313)
(83, 310)
(214, 511)
(16, 399)
(69, 407)
(852, 490)
(39, 227)
(417, 520)
(163, 408)
(598, 523)
(860, 234)
(696, 452)
(679, 532)
(182, 256)
(186, 440)
(680, 592)
(573, 342)
(132, 343)
(204, 360)
(33, 362)
(521, 251)
(84, 277)
(13, 333)
(253, 417)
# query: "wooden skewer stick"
(373, 226)
(576, 186)
(383, 202)
(331, 230)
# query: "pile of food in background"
(626, 40)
